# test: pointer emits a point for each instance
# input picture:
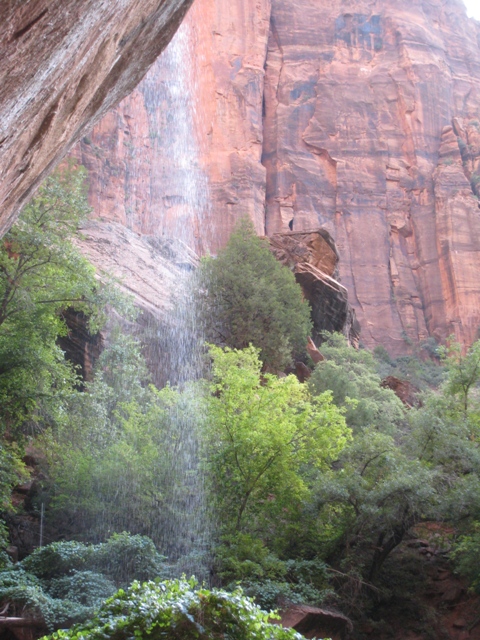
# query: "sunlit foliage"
(178, 610)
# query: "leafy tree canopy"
(266, 435)
(118, 459)
(41, 274)
(351, 375)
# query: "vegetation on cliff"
(246, 296)
(41, 275)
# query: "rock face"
(313, 258)
(313, 622)
(63, 64)
(79, 345)
(203, 119)
(359, 116)
(148, 268)
(359, 98)
(151, 269)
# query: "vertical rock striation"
(360, 99)
(64, 64)
(131, 153)
(359, 116)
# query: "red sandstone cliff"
(63, 64)
(133, 154)
(359, 96)
(361, 116)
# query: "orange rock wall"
(133, 172)
(63, 65)
(358, 96)
(362, 116)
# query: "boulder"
(313, 622)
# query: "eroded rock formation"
(360, 116)
(63, 64)
(150, 269)
(313, 258)
(313, 622)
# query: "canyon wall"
(64, 64)
(133, 154)
(360, 100)
(359, 116)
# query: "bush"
(65, 582)
(178, 610)
(465, 557)
(122, 558)
(352, 378)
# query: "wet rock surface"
(359, 117)
(64, 64)
(149, 268)
(131, 153)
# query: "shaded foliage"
(65, 582)
(247, 296)
(42, 273)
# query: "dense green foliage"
(65, 582)
(42, 274)
(262, 432)
(249, 297)
(300, 492)
(117, 460)
(178, 610)
(352, 378)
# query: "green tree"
(373, 498)
(125, 456)
(267, 438)
(246, 296)
(445, 435)
(379, 487)
(41, 274)
(351, 376)
(463, 374)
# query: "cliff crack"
(21, 32)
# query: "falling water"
(172, 118)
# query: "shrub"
(122, 558)
(65, 582)
(177, 609)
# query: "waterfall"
(172, 113)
